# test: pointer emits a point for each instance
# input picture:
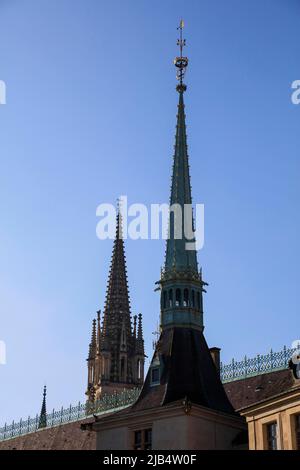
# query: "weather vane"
(181, 62)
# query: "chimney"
(215, 354)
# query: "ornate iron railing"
(260, 364)
(235, 370)
(81, 411)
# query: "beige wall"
(170, 433)
(114, 439)
(215, 434)
(282, 410)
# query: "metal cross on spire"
(181, 62)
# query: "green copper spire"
(181, 283)
(177, 256)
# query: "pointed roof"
(139, 338)
(187, 372)
(178, 258)
(117, 304)
(98, 330)
(43, 415)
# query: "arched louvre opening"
(170, 298)
(186, 298)
(178, 297)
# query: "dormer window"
(155, 376)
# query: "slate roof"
(187, 371)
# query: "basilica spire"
(116, 355)
(117, 304)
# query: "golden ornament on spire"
(181, 62)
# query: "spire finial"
(140, 327)
(43, 415)
(119, 222)
(98, 330)
(181, 62)
(93, 343)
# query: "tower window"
(186, 298)
(123, 369)
(165, 299)
(170, 298)
(271, 430)
(198, 300)
(139, 369)
(178, 297)
(193, 298)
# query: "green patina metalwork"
(235, 370)
(107, 403)
(260, 364)
(181, 282)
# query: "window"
(297, 431)
(170, 298)
(143, 439)
(155, 376)
(148, 439)
(123, 369)
(178, 297)
(272, 436)
(198, 300)
(138, 440)
(165, 299)
(193, 298)
(186, 300)
(139, 369)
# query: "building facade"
(274, 421)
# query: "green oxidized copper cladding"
(181, 282)
(178, 258)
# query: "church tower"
(116, 352)
(182, 367)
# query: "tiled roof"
(246, 392)
(65, 437)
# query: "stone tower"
(116, 352)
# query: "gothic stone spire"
(118, 357)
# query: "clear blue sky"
(90, 115)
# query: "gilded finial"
(181, 62)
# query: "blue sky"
(90, 115)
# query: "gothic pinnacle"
(43, 415)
